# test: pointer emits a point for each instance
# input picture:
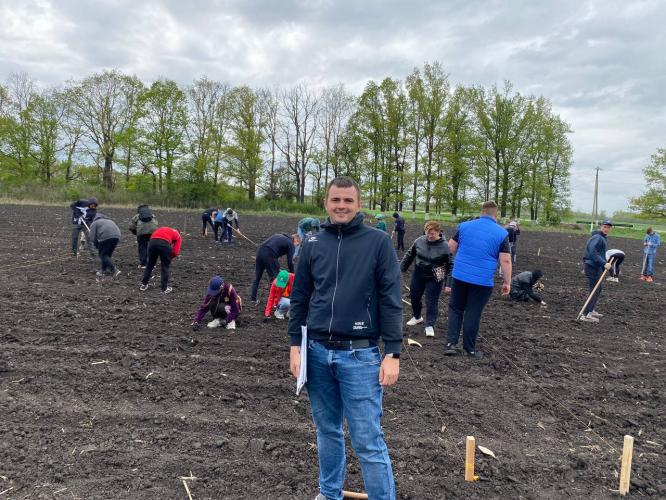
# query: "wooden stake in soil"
(625, 470)
(353, 494)
(469, 458)
(187, 489)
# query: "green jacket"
(141, 228)
(381, 225)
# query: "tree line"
(416, 143)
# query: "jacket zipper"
(335, 289)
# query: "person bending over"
(278, 299)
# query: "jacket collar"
(352, 225)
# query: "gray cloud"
(600, 62)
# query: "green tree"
(246, 139)
(652, 203)
(161, 131)
(103, 104)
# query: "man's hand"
(389, 371)
(506, 288)
(447, 290)
(295, 360)
(607, 266)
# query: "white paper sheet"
(303, 373)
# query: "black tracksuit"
(267, 257)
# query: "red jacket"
(170, 235)
(277, 293)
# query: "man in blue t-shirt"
(477, 245)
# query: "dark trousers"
(205, 221)
(432, 289)
(142, 245)
(266, 261)
(593, 273)
(465, 308)
(76, 230)
(401, 240)
(106, 249)
(216, 227)
(513, 247)
(227, 233)
(162, 249)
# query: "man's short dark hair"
(489, 207)
(344, 181)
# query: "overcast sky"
(601, 63)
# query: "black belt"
(345, 345)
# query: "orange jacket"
(277, 293)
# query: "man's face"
(342, 204)
(605, 228)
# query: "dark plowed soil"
(104, 395)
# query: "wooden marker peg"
(353, 494)
(625, 470)
(470, 447)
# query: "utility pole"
(595, 202)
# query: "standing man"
(348, 303)
(477, 246)
(83, 214)
(267, 257)
(595, 263)
(650, 244)
(164, 244)
(399, 230)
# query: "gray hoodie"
(103, 228)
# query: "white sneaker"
(118, 271)
(215, 323)
(414, 321)
(595, 314)
(279, 314)
(143, 288)
(167, 290)
(589, 318)
(231, 325)
(430, 331)
(611, 278)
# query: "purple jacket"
(227, 304)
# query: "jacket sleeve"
(599, 254)
(389, 288)
(236, 221)
(408, 258)
(273, 299)
(300, 297)
(234, 308)
(177, 243)
(133, 223)
(290, 257)
(202, 310)
(448, 267)
(94, 229)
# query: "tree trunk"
(107, 174)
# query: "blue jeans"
(345, 384)
(283, 305)
(649, 264)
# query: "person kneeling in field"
(223, 303)
(523, 286)
(278, 298)
(614, 257)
